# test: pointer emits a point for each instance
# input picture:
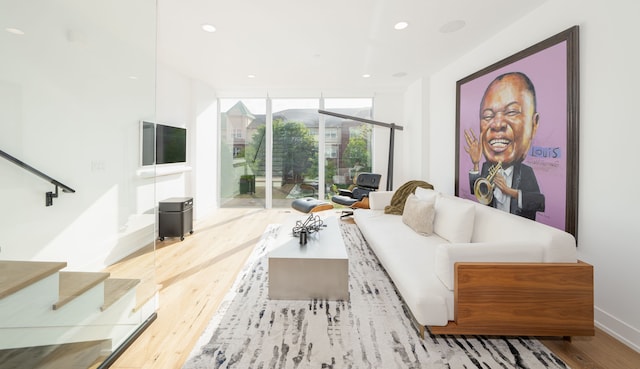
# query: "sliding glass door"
(275, 151)
(348, 142)
(295, 150)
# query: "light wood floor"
(195, 274)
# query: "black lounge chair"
(365, 183)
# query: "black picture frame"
(552, 67)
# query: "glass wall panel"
(295, 150)
(296, 159)
(242, 152)
(76, 80)
(347, 142)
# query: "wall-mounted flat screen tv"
(148, 143)
(162, 144)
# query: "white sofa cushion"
(447, 255)
(409, 260)
(493, 225)
(454, 219)
(426, 194)
(379, 199)
(418, 214)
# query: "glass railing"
(77, 277)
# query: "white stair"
(41, 305)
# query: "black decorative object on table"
(304, 228)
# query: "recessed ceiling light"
(208, 28)
(251, 76)
(133, 77)
(399, 74)
(401, 25)
(452, 26)
(15, 31)
(366, 75)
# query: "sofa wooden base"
(522, 299)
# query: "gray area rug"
(372, 330)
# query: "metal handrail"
(49, 195)
(392, 130)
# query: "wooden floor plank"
(195, 275)
(601, 351)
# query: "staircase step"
(71, 355)
(97, 362)
(115, 288)
(16, 275)
(74, 284)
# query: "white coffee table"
(319, 269)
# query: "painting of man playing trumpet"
(517, 133)
(508, 123)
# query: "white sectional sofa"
(479, 270)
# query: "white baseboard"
(621, 331)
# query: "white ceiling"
(330, 44)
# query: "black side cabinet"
(175, 217)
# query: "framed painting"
(517, 133)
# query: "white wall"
(387, 108)
(416, 102)
(206, 148)
(173, 107)
(608, 233)
(69, 108)
(184, 102)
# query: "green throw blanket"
(400, 196)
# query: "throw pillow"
(418, 214)
(454, 219)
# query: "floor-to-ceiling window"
(276, 150)
(295, 150)
(242, 147)
(348, 142)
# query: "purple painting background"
(547, 69)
